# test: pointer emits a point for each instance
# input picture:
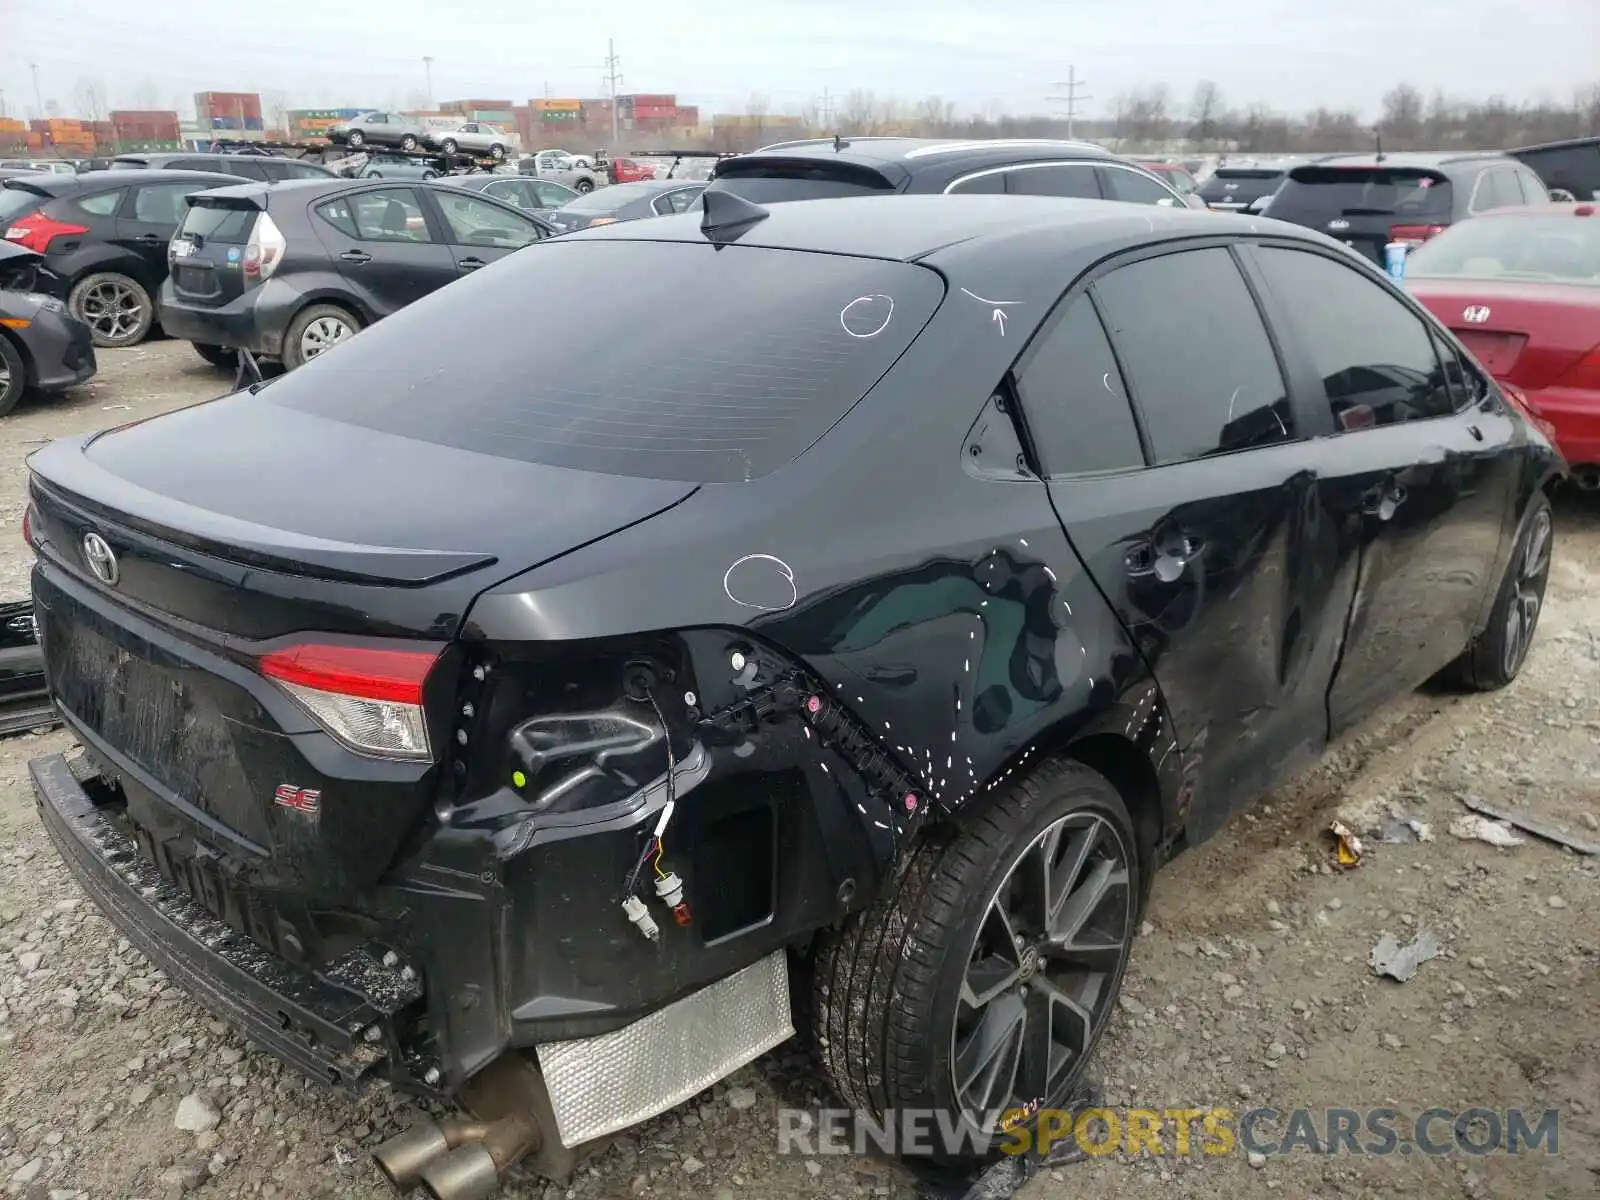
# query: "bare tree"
(757, 108)
(90, 96)
(1204, 109)
(274, 108)
(1587, 104)
(933, 116)
(1402, 117)
(859, 113)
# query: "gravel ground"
(1250, 986)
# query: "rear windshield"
(1558, 249)
(1240, 185)
(126, 164)
(713, 365)
(609, 199)
(226, 226)
(14, 201)
(1405, 192)
(769, 180)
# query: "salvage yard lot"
(1249, 987)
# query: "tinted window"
(101, 204)
(1076, 180)
(1556, 249)
(126, 164)
(1239, 185)
(228, 226)
(785, 343)
(1374, 354)
(1313, 194)
(1133, 187)
(162, 203)
(1074, 401)
(471, 221)
(549, 195)
(991, 184)
(386, 215)
(191, 164)
(1496, 189)
(1202, 369)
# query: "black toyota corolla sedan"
(440, 721)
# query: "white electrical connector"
(640, 916)
(670, 888)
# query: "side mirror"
(1165, 202)
(1562, 196)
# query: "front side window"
(384, 215)
(1375, 356)
(474, 222)
(1074, 401)
(1202, 369)
(1071, 180)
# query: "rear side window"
(162, 203)
(1376, 357)
(1133, 187)
(1070, 180)
(735, 361)
(226, 226)
(385, 215)
(1074, 401)
(1412, 196)
(1202, 369)
(101, 204)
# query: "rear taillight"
(27, 526)
(265, 249)
(36, 230)
(1583, 375)
(1414, 235)
(370, 699)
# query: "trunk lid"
(1528, 334)
(1363, 205)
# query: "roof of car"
(1411, 158)
(907, 228)
(1562, 144)
(57, 184)
(910, 153)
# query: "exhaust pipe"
(1587, 478)
(456, 1159)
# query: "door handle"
(1165, 556)
(470, 264)
(1381, 502)
(355, 256)
(150, 239)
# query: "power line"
(1073, 99)
(612, 78)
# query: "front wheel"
(316, 331)
(979, 984)
(449, 146)
(583, 187)
(408, 142)
(116, 308)
(1496, 656)
(497, 152)
(13, 375)
(355, 139)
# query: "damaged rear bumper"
(318, 1022)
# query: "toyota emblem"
(1475, 314)
(102, 561)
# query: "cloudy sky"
(980, 54)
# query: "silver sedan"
(470, 137)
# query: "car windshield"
(612, 198)
(714, 365)
(1560, 249)
(1409, 193)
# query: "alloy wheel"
(1527, 591)
(323, 335)
(1043, 970)
(111, 309)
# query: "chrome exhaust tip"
(403, 1157)
(466, 1173)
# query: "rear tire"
(223, 357)
(13, 375)
(408, 142)
(355, 139)
(1496, 656)
(449, 146)
(959, 944)
(313, 333)
(116, 308)
(583, 187)
(497, 152)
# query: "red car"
(1174, 173)
(1521, 288)
(627, 170)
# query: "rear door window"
(472, 221)
(1074, 401)
(733, 363)
(101, 204)
(1202, 369)
(384, 215)
(1070, 180)
(1375, 356)
(1134, 187)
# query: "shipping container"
(558, 105)
(651, 100)
(466, 107)
(12, 125)
(241, 106)
(687, 114)
(557, 117)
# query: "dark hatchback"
(295, 269)
(1235, 188)
(867, 166)
(264, 168)
(1367, 203)
(104, 234)
(884, 644)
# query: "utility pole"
(613, 78)
(1073, 99)
(38, 99)
(825, 110)
(427, 66)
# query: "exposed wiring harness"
(668, 886)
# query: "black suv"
(1368, 201)
(291, 270)
(105, 234)
(1572, 165)
(268, 168)
(867, 166)
(1234, 187)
